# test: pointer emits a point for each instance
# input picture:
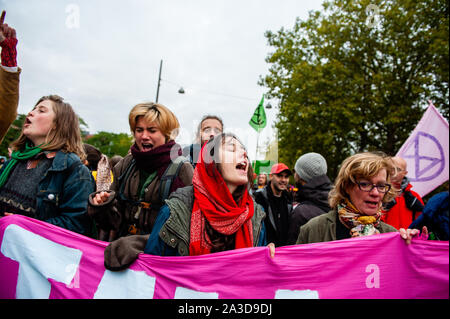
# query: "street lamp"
(180, 91)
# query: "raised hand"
(8, 42)
(2, 20)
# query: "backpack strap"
(122, 181)
(169, 176)
(167, 179)
(191, 153)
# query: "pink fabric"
(378, 266)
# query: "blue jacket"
(170, 235)
(435, 217)
(62, 195)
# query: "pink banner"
(426, 152)
(39, 260)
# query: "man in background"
(277, 204)
(408, 205)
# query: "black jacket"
(312, 201)
(278, 211)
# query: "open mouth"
(27, 121)
(242, 166)
(147, 146)
(371, 203)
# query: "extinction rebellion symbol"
(428, 156)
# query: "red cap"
(280, 167)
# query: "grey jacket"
(174, 222)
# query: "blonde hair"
(361, 165)
(65, 135)
(156, 113)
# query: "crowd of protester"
(164, 200)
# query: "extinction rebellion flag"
(426, 152)
(258, 120)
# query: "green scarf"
(27, 153)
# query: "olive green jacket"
(323, 228)
(175, 232)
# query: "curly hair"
(361, 165)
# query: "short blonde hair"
(157, 113)
(361, 165)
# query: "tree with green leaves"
(111, 144)
(357, 76)
(12, 134)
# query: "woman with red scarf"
(131, 205)
(216, 214)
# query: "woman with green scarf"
(361, 187)
(45, 178)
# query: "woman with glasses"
(360, 189)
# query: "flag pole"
(257, 146)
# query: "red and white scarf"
(214, 203)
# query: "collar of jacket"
(63, 160)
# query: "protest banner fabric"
(426, 152)
(40, 260)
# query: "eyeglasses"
(367, 187)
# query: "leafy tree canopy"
(111, 144)
(351, 79)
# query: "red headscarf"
(213, 202)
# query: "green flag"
(258, 120)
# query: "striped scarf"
(359, 225)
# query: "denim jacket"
(62, 195)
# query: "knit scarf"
(359, 225)
(156, 159)
(214, 203)
(27, 153)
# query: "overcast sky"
(103, 57)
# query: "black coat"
(277, 216)
(312, 201)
